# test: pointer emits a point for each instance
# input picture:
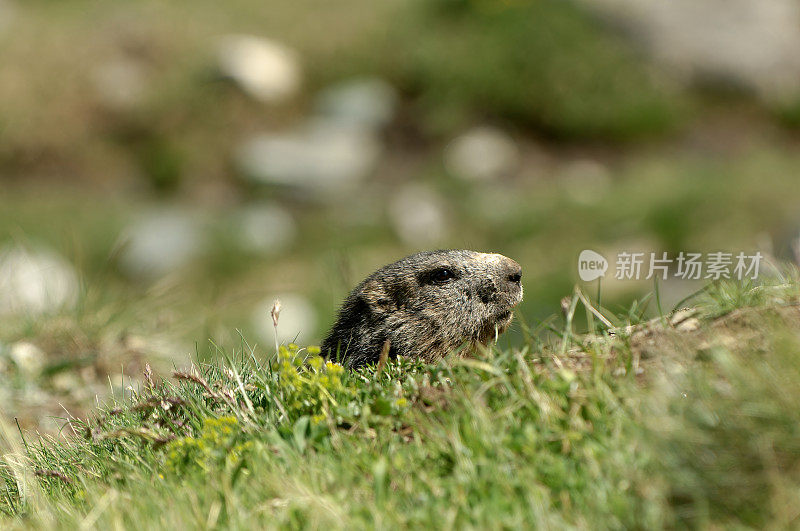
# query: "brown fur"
(423, 312)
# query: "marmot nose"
(512, 271)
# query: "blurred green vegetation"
(679, 168)
(544, 64)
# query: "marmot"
(425, 306)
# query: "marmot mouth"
(495, 326)
(502, 317)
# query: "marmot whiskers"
(425, 306)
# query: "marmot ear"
(376, 297)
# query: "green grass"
(583, 432)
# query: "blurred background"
(168, 169)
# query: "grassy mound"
(686, 420)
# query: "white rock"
(264, 69)
(297, 322)
(482, 153)
(417, 215)
(67, 381)
(160, 243)
(119, 83)
(755, 43)
(324, 156)
(266, 228)
(367, 102)
(27, 357)
(35, 281)
(585, 180)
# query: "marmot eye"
(442, 275)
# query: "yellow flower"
(334, 368)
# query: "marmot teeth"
(426, 305)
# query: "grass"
(587, 432)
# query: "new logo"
(591, 265)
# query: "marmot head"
(426, 305)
